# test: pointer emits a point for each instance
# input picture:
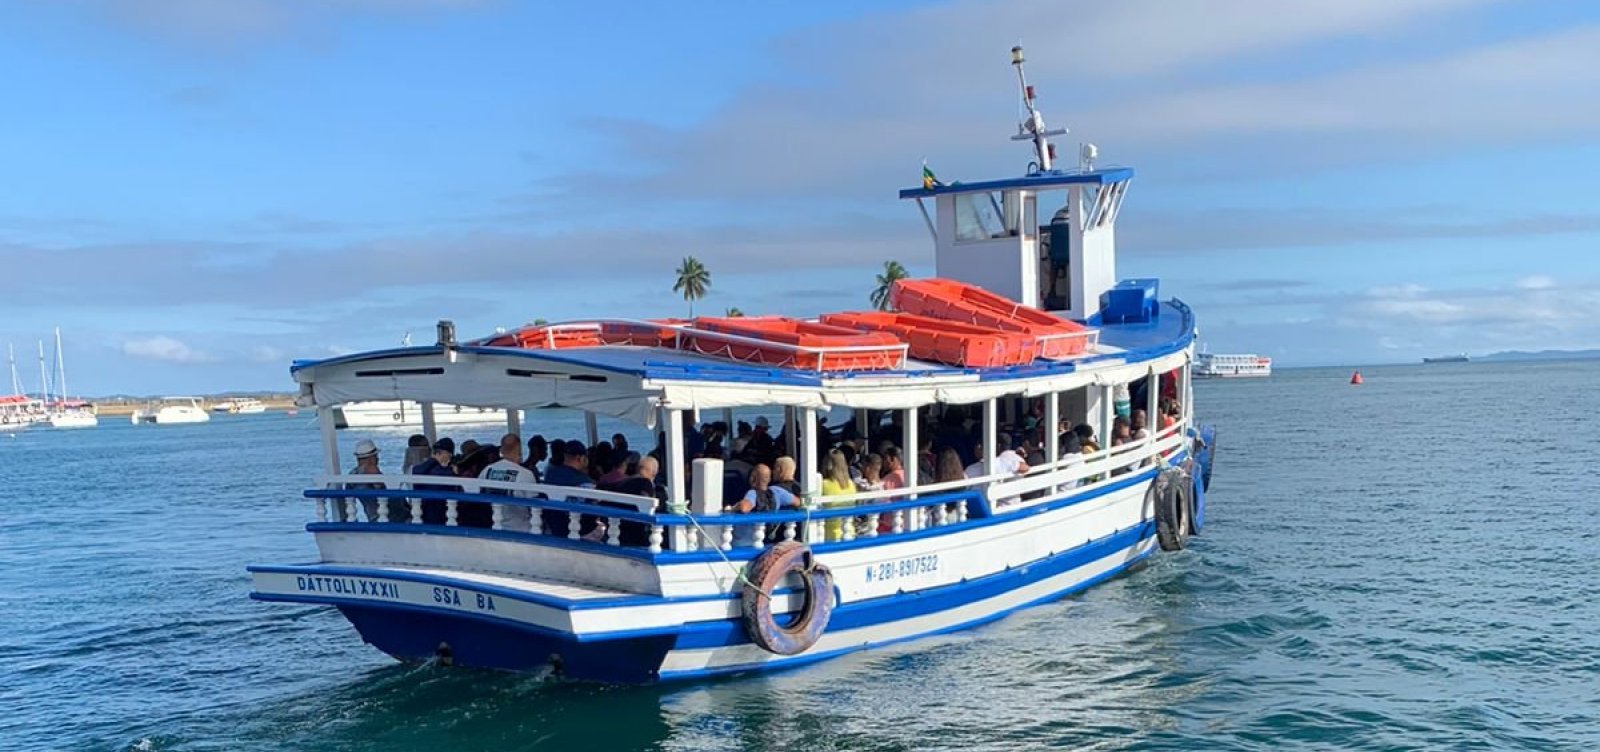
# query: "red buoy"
(1355, 378)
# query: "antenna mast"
(1033, 129)
(11, 356)
(61, 368)
(44, 377)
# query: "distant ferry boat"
(408, 414)
(1462, 358)
(169, 411)
(640, 582)
(1212, 365)
(240, 406)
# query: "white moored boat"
(408, 414)
(171, 410)
(239, 406)
(1214, 366)
(490, 573)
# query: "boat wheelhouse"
(613, 586)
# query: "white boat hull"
(74, 420)
(407, 414)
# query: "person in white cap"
(366, 464)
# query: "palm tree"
(693, 281)
(734, 313)
(892, 271)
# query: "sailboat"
(67, 413)
(18, 411)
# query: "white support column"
(330, 438)
(1186, 393)
(810, 480)
(592, 426)
(860, 416)
(430, 424)
(514, 422)
(908, 450)
(1052, 427)
(672, 426)
(707, 503)
(1152, 402)
(727, 417)
(991, 427)
(1108, 413)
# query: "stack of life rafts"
(936, 320)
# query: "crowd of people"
(757, 475)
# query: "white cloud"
(1535, 282)
(267, 354)
(164, 348)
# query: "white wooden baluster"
(574, 521)
(416, 511)
(613, 531)
(450, 512)
(899, 521)
(961, 511)
(499, 515)
(657, 534)
(761, 536)
(872, 526)
(788, 531)
(727, 537)
(535, 521)
(322, 510)
(350, 511)
(847, 528)
(939, 515)
(383, 510)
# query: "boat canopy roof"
(631, 382)
(1039, 181)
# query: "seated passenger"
(508, 469)
(894, 470)
(417, 451)
(1136, 423)
(762, 497)
(783, 470)
(573, 472)
(538, 451)
(871, 474)
(1086, 440)
(836, 481)
(641, 482)
(442, 463)
(1007, 464)
(366, 464)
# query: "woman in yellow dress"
(836, 482)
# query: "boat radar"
(1033, 128)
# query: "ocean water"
(1408, 564)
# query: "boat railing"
(1090, 337)
(342, 498)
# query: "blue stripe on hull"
(416, 635)
(412, 633)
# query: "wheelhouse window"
(980, 216)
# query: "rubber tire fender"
(1174, 508)
(767, 573)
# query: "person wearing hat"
(573, 471)
(761, 445)
(366, 464)
(440, 463)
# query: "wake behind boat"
(1025, 338)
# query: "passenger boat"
(682, 586)
(408, 414)
(239, 406)
(1214, 366)
(170, 411)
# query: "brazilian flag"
(929, 180)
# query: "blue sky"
(198, 191)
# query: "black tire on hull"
(1174, 509)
